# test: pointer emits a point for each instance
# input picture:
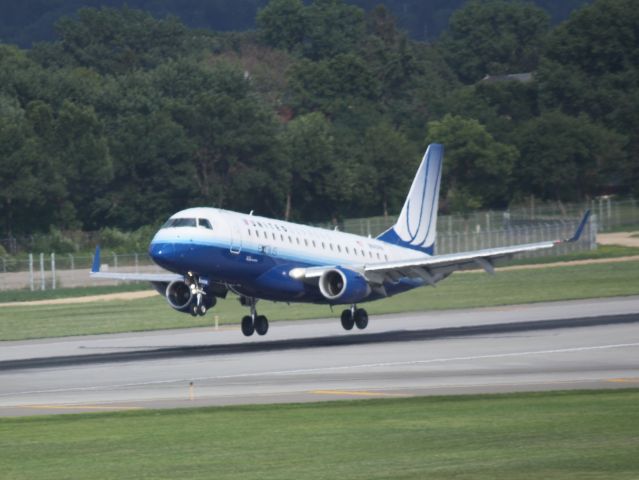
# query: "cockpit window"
(203, 222)
(180, 222)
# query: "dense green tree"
(478, 170)
(282, 24)
(564, 158)
(493, 38)
(391, 163)
(332, 86)
(114, 40)
(308, 154)
(591, 65)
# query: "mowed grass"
(459, 291)
(558, 435)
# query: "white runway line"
(328, 369)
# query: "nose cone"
(164, 254)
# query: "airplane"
(209, 252)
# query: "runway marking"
(624, 380)
(355, 393)
(325, 369)
(79, 407)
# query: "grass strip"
(558, 435)
(459, 291)
(28, 296)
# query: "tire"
(202, 310)
(193, 310)
(261, 325)
(247, 326)
(361, 318)
(347, 320)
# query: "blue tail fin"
(416, 226)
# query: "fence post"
(137, 270)
(593, 231)
(42, 285)
(115, 260)
(53, 271)
(71, 261)
(31, 279)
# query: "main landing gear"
(354, 317)
(253, 322)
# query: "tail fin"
(416, 226)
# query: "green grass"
(558, 435)
(603, 251)
(28, 295)
(459, 291)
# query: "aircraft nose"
(162, 253)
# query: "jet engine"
(179, 295)
(341, 285)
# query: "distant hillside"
(23, 23)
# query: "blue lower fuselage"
(260, 274)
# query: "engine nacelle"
(179, 295)
(343, 286)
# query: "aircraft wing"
(130, 277)
(435, 268)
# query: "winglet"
(95, 268)
(580, 228)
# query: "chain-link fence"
(51, 271)
(611, 215)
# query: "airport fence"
(50, 271)
(611, 215)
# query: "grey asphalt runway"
(552, 346)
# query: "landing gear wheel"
(361, 318)
(261, 325)
(193, 310)
(247, 326)
(202, 310)
(347, 320)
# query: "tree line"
(322, 112)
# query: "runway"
(552, 346)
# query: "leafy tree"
(308, 153)
(478, 170)
(564, 158)
(591, 65)
(494, 37)
(332, 86)
(391, 161)
(114, 40)
(282, 24)
(332, 27)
